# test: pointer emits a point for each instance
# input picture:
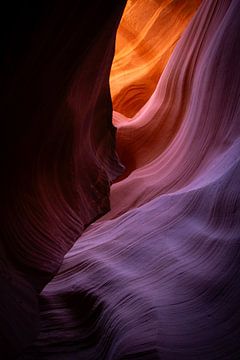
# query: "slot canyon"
(120, 185)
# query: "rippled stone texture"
(147, 35)
(158, 276)
(57, 145)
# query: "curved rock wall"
(57, 145)
(157, 277)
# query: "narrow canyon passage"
(121, 221)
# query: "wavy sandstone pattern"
(57, 146)
(147, 35)
(158, 276)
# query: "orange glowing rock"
(146, 37)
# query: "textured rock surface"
(158, 276)
(147, 35)
(57, 145)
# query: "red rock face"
(157, 276)
(58, 145)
